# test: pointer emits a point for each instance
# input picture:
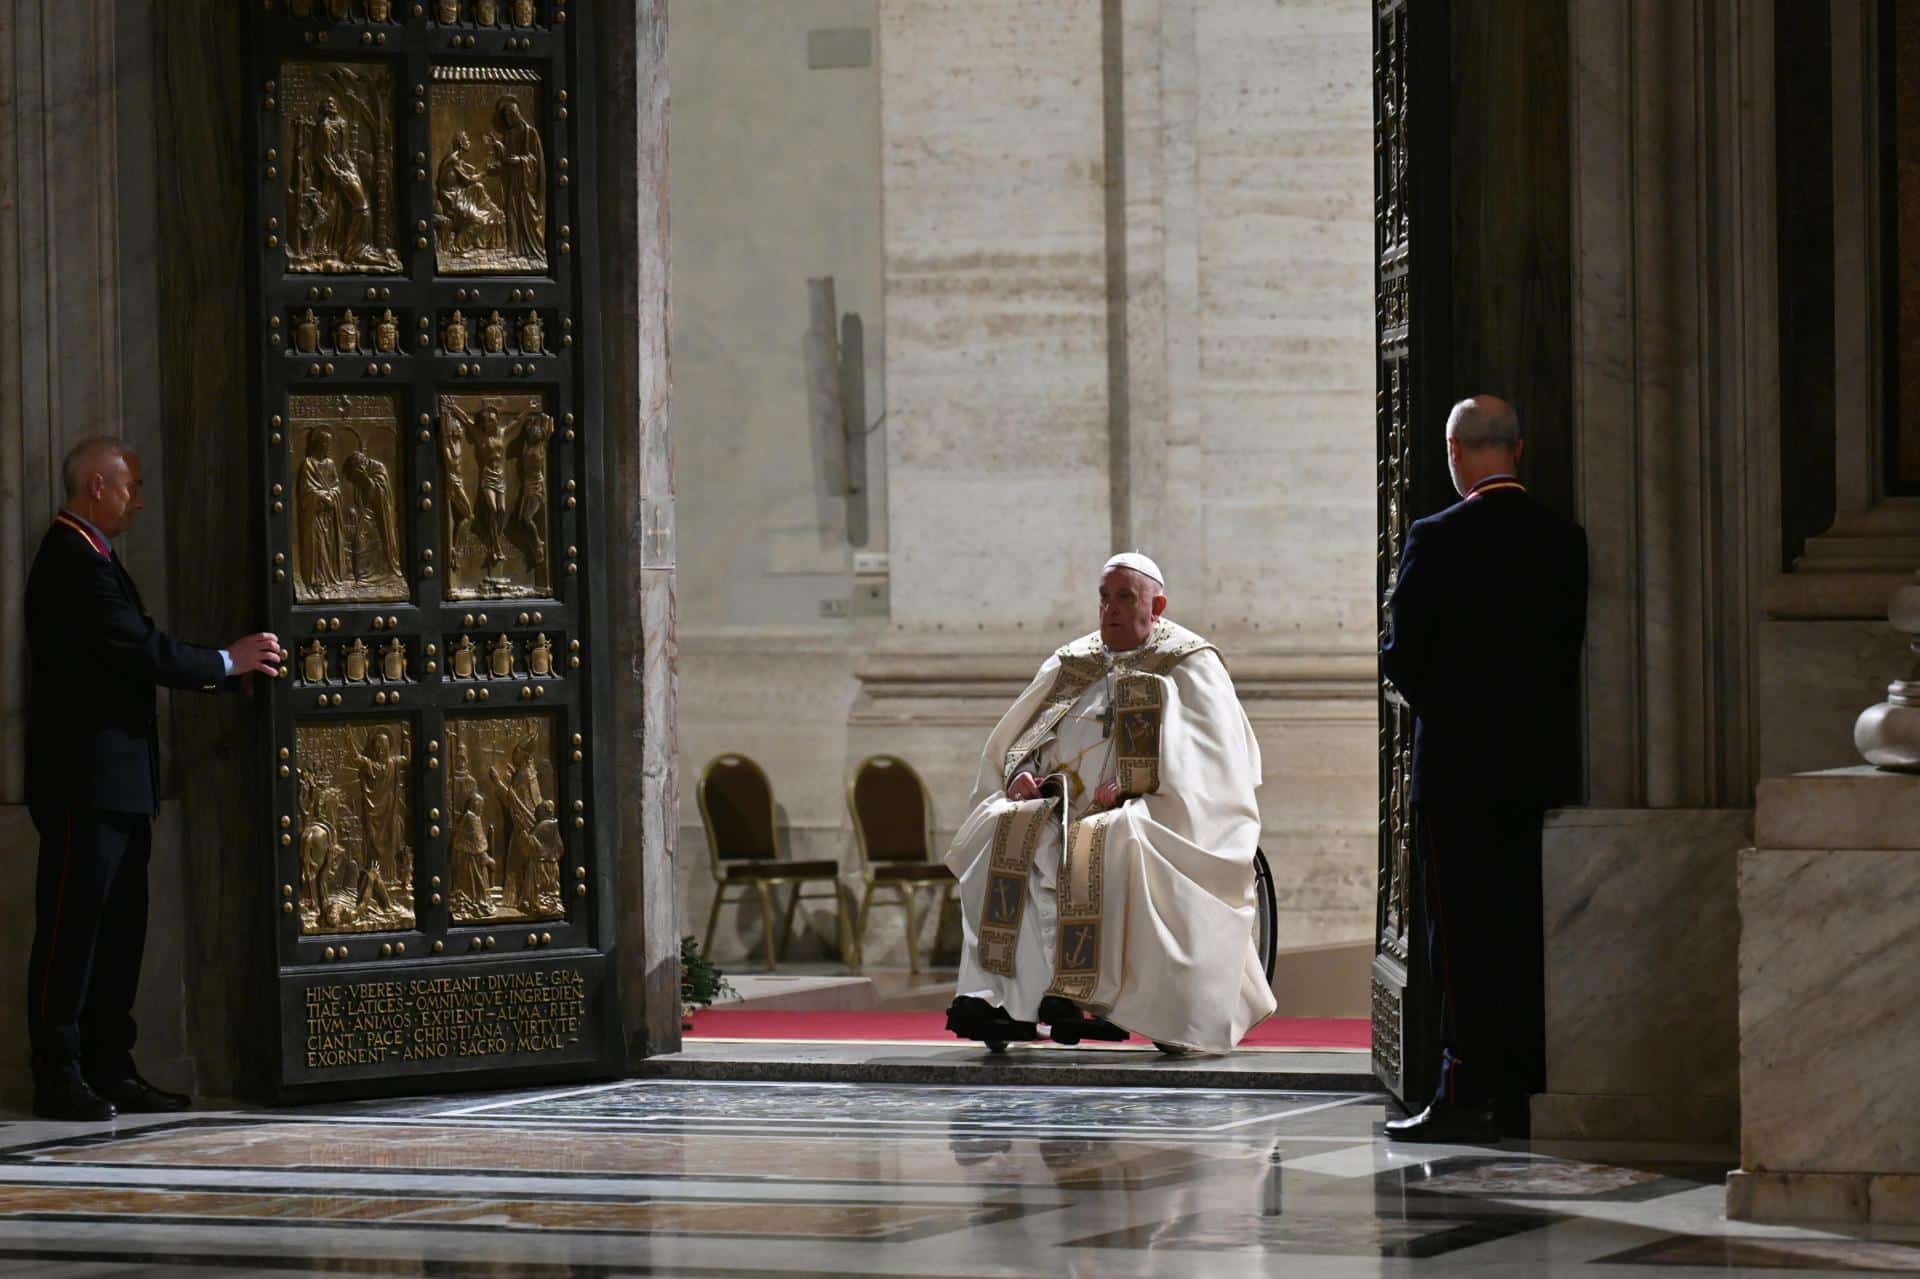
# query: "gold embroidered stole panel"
(1138, 710)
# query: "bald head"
(1483, 420)
(1483, 439)
(95, 455)
(102, 475)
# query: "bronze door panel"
(355, 829)
(507, 849)
(348, 541)
(340, 198)
(493, 459)
(490, 171)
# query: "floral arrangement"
(700, 981)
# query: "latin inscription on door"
(465, 1018)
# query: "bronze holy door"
(428, 436)
(1412, 314)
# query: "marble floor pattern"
(697, 1178)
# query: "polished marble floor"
(694, 1178)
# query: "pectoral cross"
(659, 535)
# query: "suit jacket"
(94, 660)
(1492, 595)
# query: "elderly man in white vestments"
(1106, 870)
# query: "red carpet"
(1306, 1033)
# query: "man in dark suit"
(93, 783)
(1487, 618)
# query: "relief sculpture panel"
(346, 522)
(341, 207)
(493, 452)
(505, 848)
(356, 823)
(490, 171)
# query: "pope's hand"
(1023, 787)
(1107, 793)
(260, 652)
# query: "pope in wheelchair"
(1107, 866)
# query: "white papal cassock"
(1142, 913)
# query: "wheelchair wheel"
(1266, 930)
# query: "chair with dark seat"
(893, 826)
(736, 807)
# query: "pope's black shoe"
(971, 1017)
(66, 1097)
(1444, 1121)
(133, 1095)
(1067, 1024)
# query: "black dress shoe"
(135, 1096)
(68, 1099)
(1067, 1024)
(1443, 1121)
(971, 1017)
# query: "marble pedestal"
(1640, 937)
(1829, 1024)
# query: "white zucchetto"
(1139, 564)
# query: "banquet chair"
(737, 810)
(893, 827)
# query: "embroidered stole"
(1016, 834)
(1139, 705)
(1083, 872)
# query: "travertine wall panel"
(993, 179)
(1284, 377)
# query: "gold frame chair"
(760, 868)
(905, 873)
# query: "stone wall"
(83, 327)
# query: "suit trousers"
(90, 929)
(1478, 873)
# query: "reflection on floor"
(666, 1177)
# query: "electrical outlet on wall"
(870, 597)
(833, 608)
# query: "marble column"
(1675, 397)
(1676, 417)
(1829, 930)
(1641, 929)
